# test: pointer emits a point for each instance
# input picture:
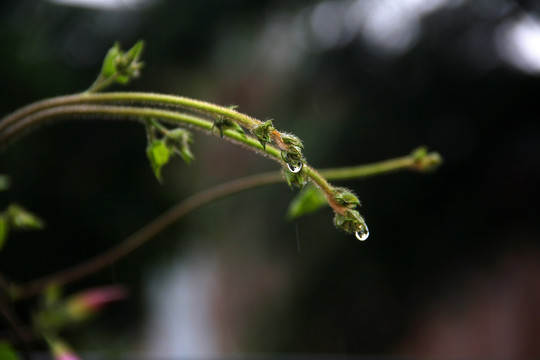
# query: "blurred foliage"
(350, 103)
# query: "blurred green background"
(452, 266)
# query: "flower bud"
(85, 304)
(61, 351)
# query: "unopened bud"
(85, 304)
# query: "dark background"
(452, 266)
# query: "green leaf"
(109, 63)
(159, 154)
(20, 218)
(135, 52)
(4, 229)
(222, 123)
(7, 352)
(306, 202)
(178, 140)
(187, 155)
(346, 197)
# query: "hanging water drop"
(362, 234)
(295, 168)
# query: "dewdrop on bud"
(295, 168)
(362, 234)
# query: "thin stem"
(142, 236)
(61, 106)
(130, 112)
(427, 162)
(101, 83)
(126, 112)
(85, 104)
(178, 211)
(130, 97)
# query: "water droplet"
(362, 234)
(295, 168)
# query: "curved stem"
(178, 211)
(73, 104)
(424, 163)
(129, 97)
(34, 118)
(142, 236)
(82, 105)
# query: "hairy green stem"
(428, 162)
(101, 83)
(130, 98)
(35, 117)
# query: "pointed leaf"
(187, 155)
(159, 154)
(20, 218)
(308, 201)
(135, 52)
(178, 140)
(109, 63)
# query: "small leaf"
(306, 202)
(159, 154)
(135, 52)
(346, 197)
(187, 155)
(20, 218)
(178, 140)
(222, 123)
(4, 229)
(7, 352)
(109, 63)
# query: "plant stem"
(178, 211)
(142, 236)
(34, 118)
(428, 162)
(82, 105)
(129, 97)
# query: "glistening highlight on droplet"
(362, 234)
(295, 168)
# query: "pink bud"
(87, 303)
(61, 351)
